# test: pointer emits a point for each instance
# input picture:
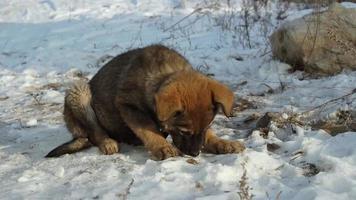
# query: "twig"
(330, 101)
(241, 83)
(281, 83)
(37, 97)
(265, 53)
(278, 196)
(184, 18)
(127, 190)
(270, 89)
(247, 27)
(316, 30)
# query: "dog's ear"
(167, 102)
(222, 96)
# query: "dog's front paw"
(164, 152)
(225, 146)
(109, 146)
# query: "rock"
(322, 43)
(310, 169)
(272, 147)
(266, 119)
(192, 161)
(3, 98)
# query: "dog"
(141, 97)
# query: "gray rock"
(322, 43)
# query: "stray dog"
(141, 97)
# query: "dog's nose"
(194, 154)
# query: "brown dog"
(141, 96)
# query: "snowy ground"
(46, 44)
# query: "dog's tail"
(79, 117)
(73, 146)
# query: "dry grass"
(244, 192)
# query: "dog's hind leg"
(80, 134)
(81, 121)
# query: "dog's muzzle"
(189, 145)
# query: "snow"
(45, 45)
(31, 122)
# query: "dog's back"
(132, 78)
(137, 72)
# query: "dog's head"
(187, 105)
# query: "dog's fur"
(140, 97)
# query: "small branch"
(184, 18)
(265, 53)
(247, 27)
(330, 101)
(37, 97)
(127, 190)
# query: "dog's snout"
(194, 153)
(190, 152)
(189, 144)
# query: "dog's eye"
(185, 133)
(215, 108)
(177, 114)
